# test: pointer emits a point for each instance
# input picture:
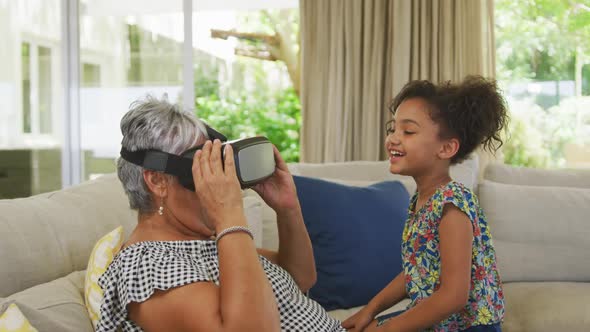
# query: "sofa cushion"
(408, 183)
(530, 306)
(47, 236)
(253, 213)
(540, 233)
(13, 320)
(57, 305)
(270, 235)
(101, 257)
(356, 234)
(547, 306)
(502, 173)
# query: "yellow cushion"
(13, 320)
(102, 255)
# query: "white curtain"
(356, 55)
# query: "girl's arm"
(456, 238)
(393, 293)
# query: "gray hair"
(154, 124)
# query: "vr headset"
(253, 157)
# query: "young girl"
(449, 264)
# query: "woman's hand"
(358, 321)
(216, 186)
(278, 191)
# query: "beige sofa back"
(51, 235)
(48, 236)
(578, 178)
(540, 222)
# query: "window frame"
(34, 43)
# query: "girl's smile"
(395, 155)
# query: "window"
(245, 84)
(90, 75)
(45, 92)
(37, 93)
(26, 86)
(30, 97)
(542, 65)
(126, 53)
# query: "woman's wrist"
(289, 213)
(233, 229)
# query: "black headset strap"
(213, 134)
(159, 161)
(168, 163)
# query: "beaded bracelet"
(233, 229)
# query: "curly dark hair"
(473, 111)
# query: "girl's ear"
(156, 182)
(449, 148)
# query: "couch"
(539, 221)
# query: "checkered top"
(143, 267)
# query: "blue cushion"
(356, 237)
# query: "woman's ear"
(449, 148)
(156, 182)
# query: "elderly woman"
(173, 274)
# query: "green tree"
(542, 39)
(526, 146)
(257, 105)
(270, 35)
(277, 118)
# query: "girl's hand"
(216, 186)
(278, 191)
(358, 321)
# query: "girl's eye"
(409, 132)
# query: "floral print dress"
(422, 264)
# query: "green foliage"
(541, 40)
(537, 137)
(257, 98)
(250, 97)
(206, 83)
(269, 21)
(537, 39)
(586, 80)
(521, 148)
(277, 118)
